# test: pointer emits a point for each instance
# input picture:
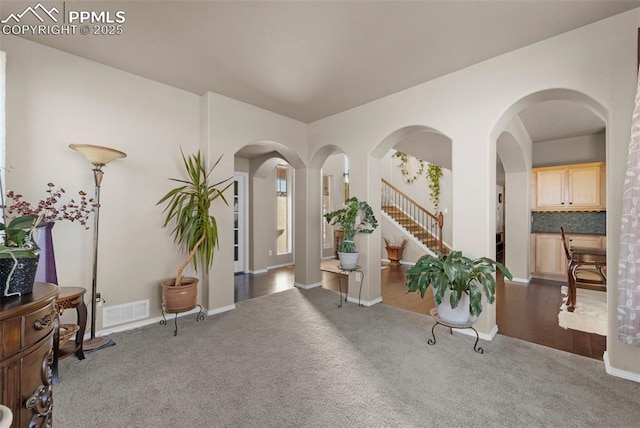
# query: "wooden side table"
(68, 298)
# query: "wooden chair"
(583, 270)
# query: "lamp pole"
(97, 176)
(99, 156)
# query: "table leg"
(571, 285)
(56, 346)
(81, 311)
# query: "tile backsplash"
(573, 222)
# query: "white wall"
(54, 99)
(589, 148)
(472, 107)
(229, 126)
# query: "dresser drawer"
(38, 324)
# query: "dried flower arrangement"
(396, 242)
(51, 208)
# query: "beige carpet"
(331, 265)
(293, 359)
(590, 314)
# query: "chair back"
(564, 244)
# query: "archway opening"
(559, 131)
(264, 227)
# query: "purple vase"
(47, 266)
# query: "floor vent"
(128, 312)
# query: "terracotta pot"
(182, 298)
(394, 254)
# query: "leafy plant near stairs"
(347, 217)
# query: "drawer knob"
(43, 322)
(33, 400)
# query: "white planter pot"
(348, 261)
(458, 315)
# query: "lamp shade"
(98, 155)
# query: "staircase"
(416, 220)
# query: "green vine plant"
(434, 173)
(405, 165)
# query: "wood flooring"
(524, 312)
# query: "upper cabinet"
(578, 187)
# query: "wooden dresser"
(27, 326)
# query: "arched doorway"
(551, 128)
(264, 224)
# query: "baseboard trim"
(402, 262)
(484, 336)
(131, 326)
(624, 374)
(279, 266)
(364, 302)
(221, 310)
(521, 280)
(307, 286)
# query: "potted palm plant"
(195, 229)
(456, 282)
(355, 217)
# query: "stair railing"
(392, 197)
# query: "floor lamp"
(99, 156)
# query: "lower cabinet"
(548, 258)
(27, 328)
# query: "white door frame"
(242, 178)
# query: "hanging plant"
(434, 172)
(405, 167)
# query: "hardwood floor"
(524, 312)
(531, 313)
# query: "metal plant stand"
(163, 321)
(346, 290)
(451, 326)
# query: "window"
(283, 207)
(327, 241)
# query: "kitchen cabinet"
(578, 187)
(548, 259)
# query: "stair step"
(415, 229)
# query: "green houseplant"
(18, 256)
(456, 282)
(195, 228)
(355, 217)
